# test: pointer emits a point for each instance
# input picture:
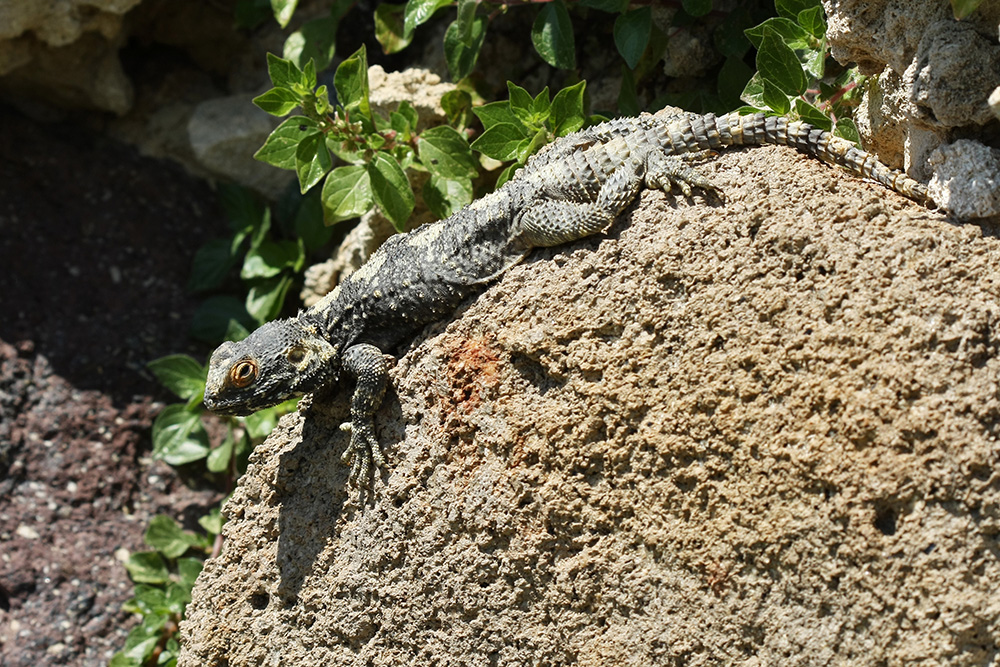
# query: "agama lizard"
(575, 188)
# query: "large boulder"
(755, 431)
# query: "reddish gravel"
(95, 246)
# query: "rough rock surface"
(934, 78)
(67, 48)
(755, 432)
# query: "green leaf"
(733, 77)
(211, 320)
(541, 105)
(420, 11)
(391, 189)
(464, 19)
(188, 569)
(632, 34)
(812, 115)
(697, 7)
(261, 229)
(507, 174)
(848, 130)
(813, 60)
(266, 297)
(121, 660)
(566, 113)
(147, 567)
(138, 651)
(277, 101)
(270, 259)
(779, 66)
(212, 523)
(775, 99)
(791, 32)
(260, 424)
(753, 92)
(177, 597)
(180, 374)
(283, 73)
(235, 331)
(457, 105)
(308, 223)
(351, 82)
(628, 102)
(552, 35)
(315, 41)
(283, 10)
(962, 8)
(500, 142)
(461, 57)
(390, 28)
(347, 193)
(729, 37)
(242, 207)
(212, 263)
(219, 458)
(446, 196)
(520, 102)
(813, 21)
(147, 599)
(531, 147)
(532, 112)
(166, 536)
(446, 153)
(496, 113)
(279, 150)
(179, 437)
(407, 112)
(312, 161)
(790, 9)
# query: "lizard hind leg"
(555, 220)
(665, 171)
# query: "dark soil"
(95, 247)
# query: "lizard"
(574, 188)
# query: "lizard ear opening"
(243, 373)
(296, 355)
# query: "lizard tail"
(712, 132)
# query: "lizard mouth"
(223, 407)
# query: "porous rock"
(934, 78)
(752, 432)
(66, 51)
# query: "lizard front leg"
(370, 369)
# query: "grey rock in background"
(933, 78)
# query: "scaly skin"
(575, 188)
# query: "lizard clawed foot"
(663, 172)
(362, 451)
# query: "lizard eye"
(243, 373)
(296, 355)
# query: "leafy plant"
(164, 578)
(793, 70)
(516, 128)
(269, 253)
(377, 149)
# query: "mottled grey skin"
(574, 189)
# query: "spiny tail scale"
(690, 133)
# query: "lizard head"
(281, 359)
